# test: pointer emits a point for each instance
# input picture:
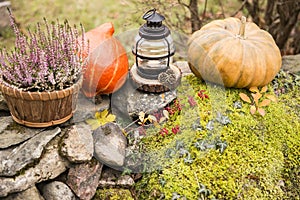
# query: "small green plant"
(100, 119)
(258, 100)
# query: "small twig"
(204, 10)
(184, 4)
(222, 8)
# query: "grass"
(90, 13)
(124, 14)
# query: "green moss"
(112, 194)
(261, 160)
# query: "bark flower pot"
(41, 109)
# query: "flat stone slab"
(12, 133)
(26, 153)
(31, 193)
(129, 101)
(50, 165)
(113, 178)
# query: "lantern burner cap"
(153, 16)
(153, 29)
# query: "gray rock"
(128, 101)
(78, 144)
(110, 145)
(125, 181)
(50, 165)
(184, 67)
(31, 193)
(57, 190)
(12, 133)
(4, 18)
(86, 108)
(291, 63)
(26, 153)
(113, 178)
(3, 104)
(83, 179)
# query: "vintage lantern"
(154, 49)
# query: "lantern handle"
(149, 13)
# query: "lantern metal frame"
(146, 77)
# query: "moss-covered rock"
(224, 152)
(113, 194)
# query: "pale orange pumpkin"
(234, 53)
(107, 65)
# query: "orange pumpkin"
(107, 65)
(234, 53)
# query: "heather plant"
(46, 59)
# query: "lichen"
(261, 160)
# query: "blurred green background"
(124, 14)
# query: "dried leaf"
(265, 102)
(245, 98)
(264, 89)
(166, 114)
(261, 111)
(152, 118)
(252, 109)
(141, 116)
(254, 89)
(162, 119)
(256, 97)
(271, 97)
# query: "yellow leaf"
(245, 98)
(254, 89)
(99, 115)
(264, 89)
(252, 109)
(100, 119)
(110, 118)
(265, 102)
(271, 97)
(94, 123)
(104, 113)
(261, 111)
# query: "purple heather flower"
(45, 60)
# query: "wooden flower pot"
(41, 109)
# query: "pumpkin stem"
(242, 28)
